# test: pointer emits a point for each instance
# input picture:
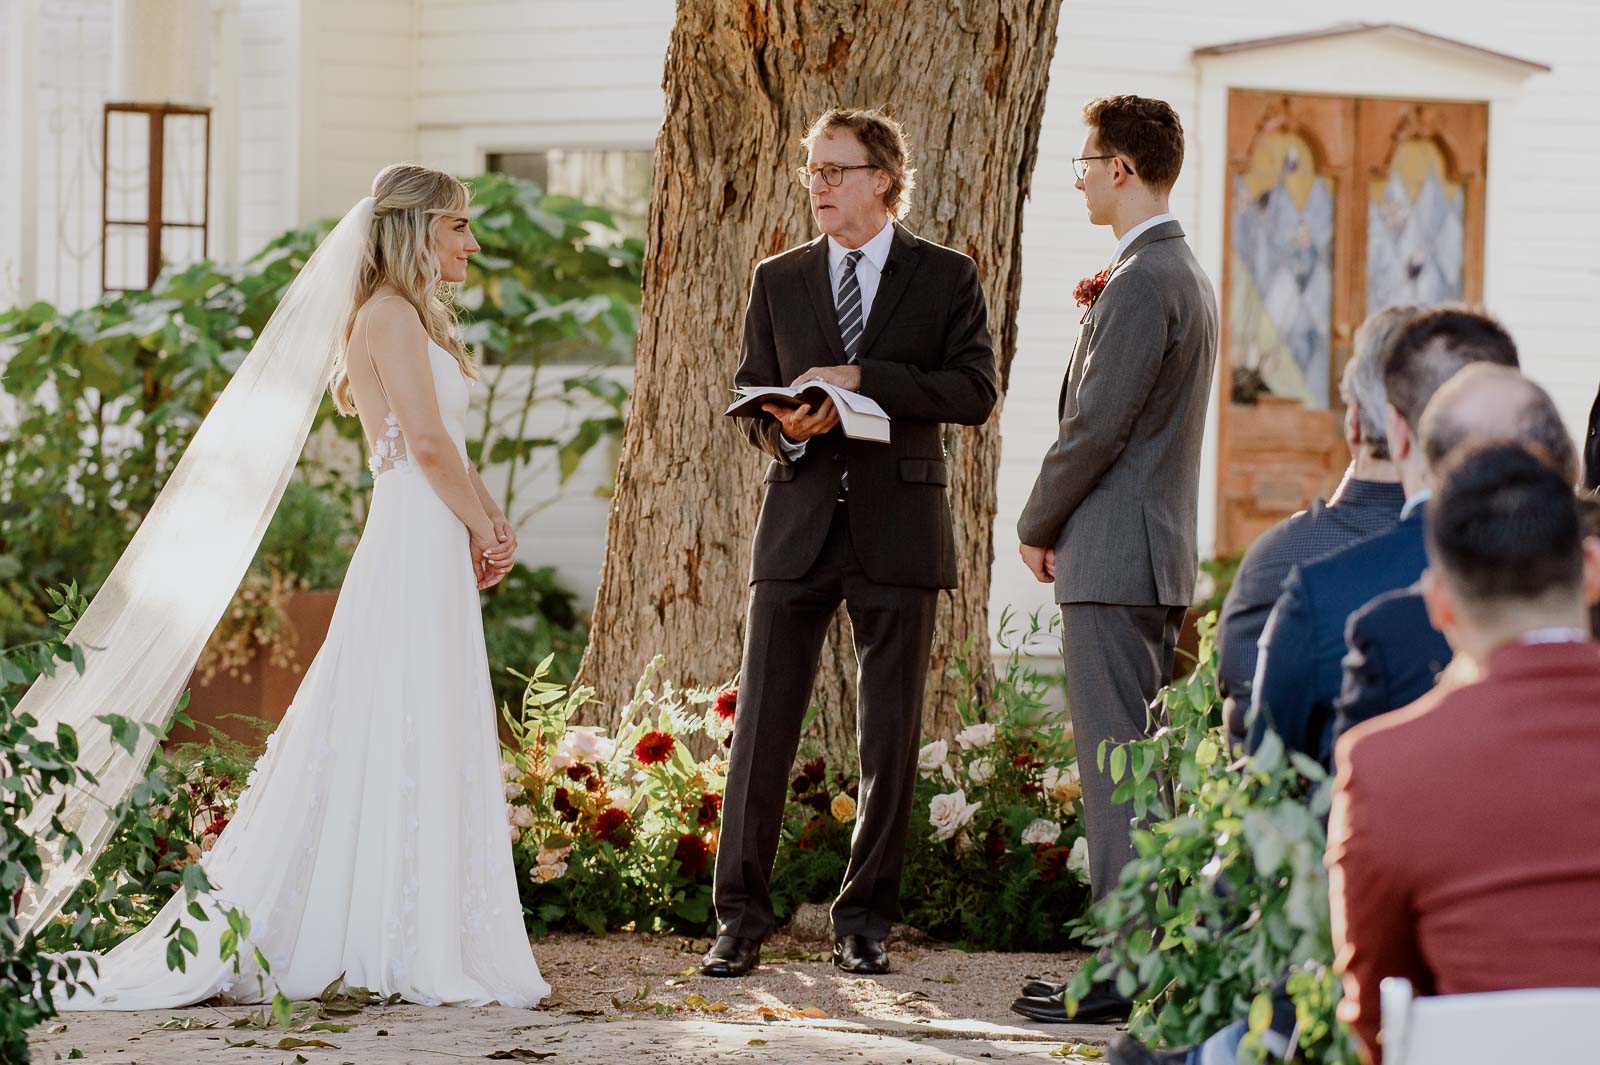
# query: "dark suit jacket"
(926, 358)
(1302, 647)
(1464, 843)
(1118, 492)
(1394, 655)
(1359, 509)
(1591, 449)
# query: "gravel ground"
(636, 999)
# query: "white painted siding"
(536, 74)
(269, 63)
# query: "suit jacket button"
(838, 458)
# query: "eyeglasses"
(831, 173)
(1080, 164)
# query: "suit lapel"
(820, 286)
(892, 284)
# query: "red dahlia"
(691, 855)
(726, 703)
(654, 748)
(562, 803)
(215, 828)
(710, 808)
(579, 772)
(613, 826)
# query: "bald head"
(1485, 403)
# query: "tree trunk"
(743, 82)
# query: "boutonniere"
(1088, 290)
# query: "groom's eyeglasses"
(831, 174)
(1080, 164)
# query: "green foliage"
(1228, 891)
(310, 538)
(528, 617)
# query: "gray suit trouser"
(1117, 659)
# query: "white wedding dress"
(372, 838)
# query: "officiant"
(872, 308)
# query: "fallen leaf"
(520, 1054)
(181, 1024)
(289, 1042)
(58, 1029)
(1079, 1050)
(75, 1055)
(245, 1043)
(812, 1011)
(756, 1043)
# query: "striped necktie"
(851, 325)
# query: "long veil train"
(145, 628)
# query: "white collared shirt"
(869, 269)
(1413, 502)
(1133, 234)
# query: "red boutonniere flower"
(1088, 290)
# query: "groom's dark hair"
(1145, 132)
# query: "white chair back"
(1544, 1026)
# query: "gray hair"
(1362, 383)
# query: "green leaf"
(1119, 762)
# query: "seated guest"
(1393, 653)
(1589, 515)
(1463, 846)
(1302, 646)
(1366, 502)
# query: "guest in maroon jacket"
(1464, 845)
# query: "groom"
(1111, 520)
(871, 308)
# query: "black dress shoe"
(860, 954)
(1043, 989)
(731, 956)
(1102, 1005)
(1126, 1050)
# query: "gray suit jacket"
(1118, 492)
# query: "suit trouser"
(1117, 659)
(788, 619)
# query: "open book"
(860, 417)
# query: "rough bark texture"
(743, 81)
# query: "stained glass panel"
(1281, 274)
(1416, 221)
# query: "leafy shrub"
(1228, 892)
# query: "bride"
(371, 840)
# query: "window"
(156, 192)
(616, 179)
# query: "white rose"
(1078, 860)
(509, 771)
(578, 745)
(513, 790)
(1055, 776)
(981, 771)
(546, 873)
(554, 856)
(932, 756)
(522, 817)
(1041, 831)
(948, 812)
(974, 736)
(516, 833)
(947, 772)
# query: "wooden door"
(1335, 206)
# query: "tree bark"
(743, 81)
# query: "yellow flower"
(844, 808)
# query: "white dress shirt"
(1133, 234)
(869, 271)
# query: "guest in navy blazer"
(1591, 449)
(1299, 672)
(1393, 652)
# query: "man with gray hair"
(1367, 501)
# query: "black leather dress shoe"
(731, 956)
(1126, 1050)
(860, 954)
(1102, 1005)
(1043, 989)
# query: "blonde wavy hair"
(400, 253)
